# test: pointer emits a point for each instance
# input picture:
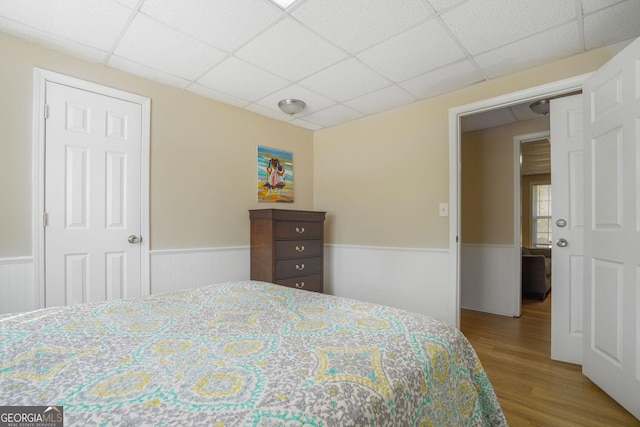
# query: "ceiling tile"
(217, 96)
(50, 41)
(314, 101)
(333, 115)
(268, 112)
(440, 5)
(236, 77)
(220, 23)
(155, 45)
(446, 79)
(487, 119)
(347, 80)
(590, 6)
(94, 23)
(131, 67)
(542, 48)
(382, 100)
(483, 25)
(131, 4)
(284, 3)
(357, 24)
(612, 25)
(421, 49)
(290, 50)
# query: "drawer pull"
(300, 230)
(299, 285)
(300, 248)
(299, 268)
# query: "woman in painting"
(276, 174)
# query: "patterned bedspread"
(244, 354)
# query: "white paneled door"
(611, 341)
(92, 196)
(567, 183)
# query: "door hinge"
(46, 111)
(45, 219)
(456, 239)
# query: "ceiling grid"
(345, 59)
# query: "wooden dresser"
(287, 247)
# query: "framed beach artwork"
(275, 175)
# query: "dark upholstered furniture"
(536, 272)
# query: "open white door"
(611, 340)
(567, 174)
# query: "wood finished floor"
(534, 390)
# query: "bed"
(244, 354)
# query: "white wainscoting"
(17, 285)
(416, 280)
(411, 279)
(172, 270)
(490, 278)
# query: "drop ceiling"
(345, 58)
(499, 117)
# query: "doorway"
(455, 116)
(109, 193)
(610, 221)
(490, 205)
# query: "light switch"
(444, 209)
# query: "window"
(541, 215)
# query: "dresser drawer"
(308, 283)
(298, 267)
(290, 230)
(298, 248)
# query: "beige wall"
(381, 178)
(203, 155)
(487, 181)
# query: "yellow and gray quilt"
(244, 354)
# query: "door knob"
(562, 243)
(133, 239)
